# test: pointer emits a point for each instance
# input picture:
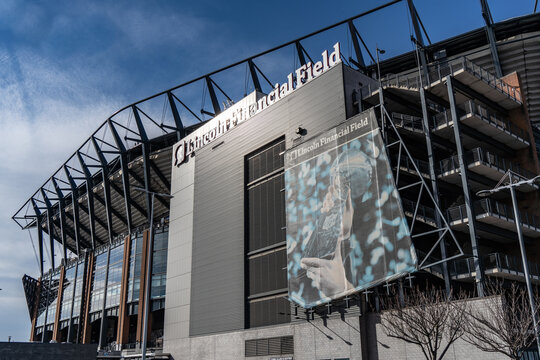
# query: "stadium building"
(210, 238)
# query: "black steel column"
(70, 323)
(40, 235)
(75, 208)
(213, 97)
(466, 193)
(180, 132)
(434, 186)
(125, 172)
(419, 40)
(488, 19)
(50, 226)
(146, 158)
(90, 198)
(106, 187)
(61, 208)
(103, 317)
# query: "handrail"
(498, 261)
(437, 72)
(488, 158)
(491, 207)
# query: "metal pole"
(70, 327)
(517, 220)
(148, 279)
(465, 184)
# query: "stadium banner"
(346, 229)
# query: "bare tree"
(426, 318)
(503, 322)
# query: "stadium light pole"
(149, 267)
(517, 220)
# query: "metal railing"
(487, 158)
(424, 212)
(437, 72)
(471, 107)
(491, 207)
(407, 163)
(413, 123)
(494, 261)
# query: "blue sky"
(65, 66)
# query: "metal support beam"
(104, 303)
(434, 187)
(61, 208)
(50, 225)
(40, 236)
(70, 323)
(106, 188)
(75, 209)
(213, 97)
(180, 131)
(419, 40)
(124, 165)
(355, 36)
(254, 77)
(465, 183)
(488, 19)
(146, 150)
(90, 198)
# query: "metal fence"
(487, 158)
(491, 207)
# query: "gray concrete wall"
(178, 291)
(311, 341)
(38, 351)
(217, 293)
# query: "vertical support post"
(50, 226)
(106, 188)
(488, 19)
(103, 324)
(254, 77)
(213, 97)
(48, 289)
(75, 208)
(40, 236)
(59, 296)
(83, 319)
(466, 192)
(148, 282)
(123, 317)
(146, 157)
(356, 44)
(517, 220)
(180, 131)
(419, 39)
(300, 51)
(35, 310)
(61, 208)
(434, 185)
(70, 323)
(90, 198)
(125, 172)
(142, 287)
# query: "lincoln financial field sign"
(346, 229)
(253, 104)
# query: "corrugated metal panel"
(217, 296)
